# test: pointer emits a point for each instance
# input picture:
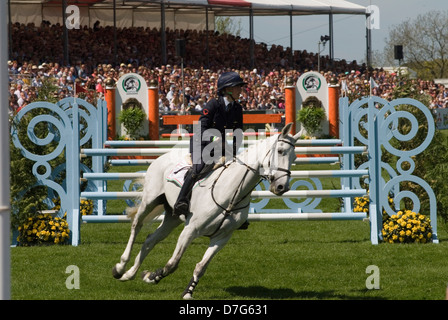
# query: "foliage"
(425, 42)
(132, 120)
(431, 164)
(85, 206)
(310, 118)
(47, 92)
(26, 200)
(403, 227)
(407, 227)
(361, 204)
(228, 25)
(43, 229)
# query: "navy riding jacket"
(216, 120)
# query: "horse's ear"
(286, 129)
(297, 136)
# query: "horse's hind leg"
(169, 223)
(143, 210)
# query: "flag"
(373, 84)
(344, 88)
(79, 89)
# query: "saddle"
(177, 175)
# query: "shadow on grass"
(259, 292)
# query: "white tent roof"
(220, 7)
(186, 14)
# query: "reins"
(227, 211)
(230, 208)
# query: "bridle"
(269, 177)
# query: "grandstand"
(37, 53)
(177, 14)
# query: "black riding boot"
(182, 204)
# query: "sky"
(349, 30)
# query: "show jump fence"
(368, 126)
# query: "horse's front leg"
(143, 210)
(186, 237)
(216, 244)
(169, 224)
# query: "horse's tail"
(132, 211)
(157, 211)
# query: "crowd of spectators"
(37, 55)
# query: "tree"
(425, 44)
(227, 25)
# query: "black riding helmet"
(230, 79)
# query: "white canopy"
(180, 14)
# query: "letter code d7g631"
(245, 309)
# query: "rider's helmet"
(230, 79)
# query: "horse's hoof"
(115, 273)
(146, 277)
(188, 296)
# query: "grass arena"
(271, 260)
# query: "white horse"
(219, 204)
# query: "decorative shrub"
(311, 118)
(85, 206)
(132, 120)
(407, 227)
(43, 229)
(361, 204)
(403, 227)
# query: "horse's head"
(280, 159)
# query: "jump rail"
(329, 146)
(371, 121)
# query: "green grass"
(270, 260)
(275, 260)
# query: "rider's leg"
(183, 200)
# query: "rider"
(221, 114)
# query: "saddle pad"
(177, 175)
